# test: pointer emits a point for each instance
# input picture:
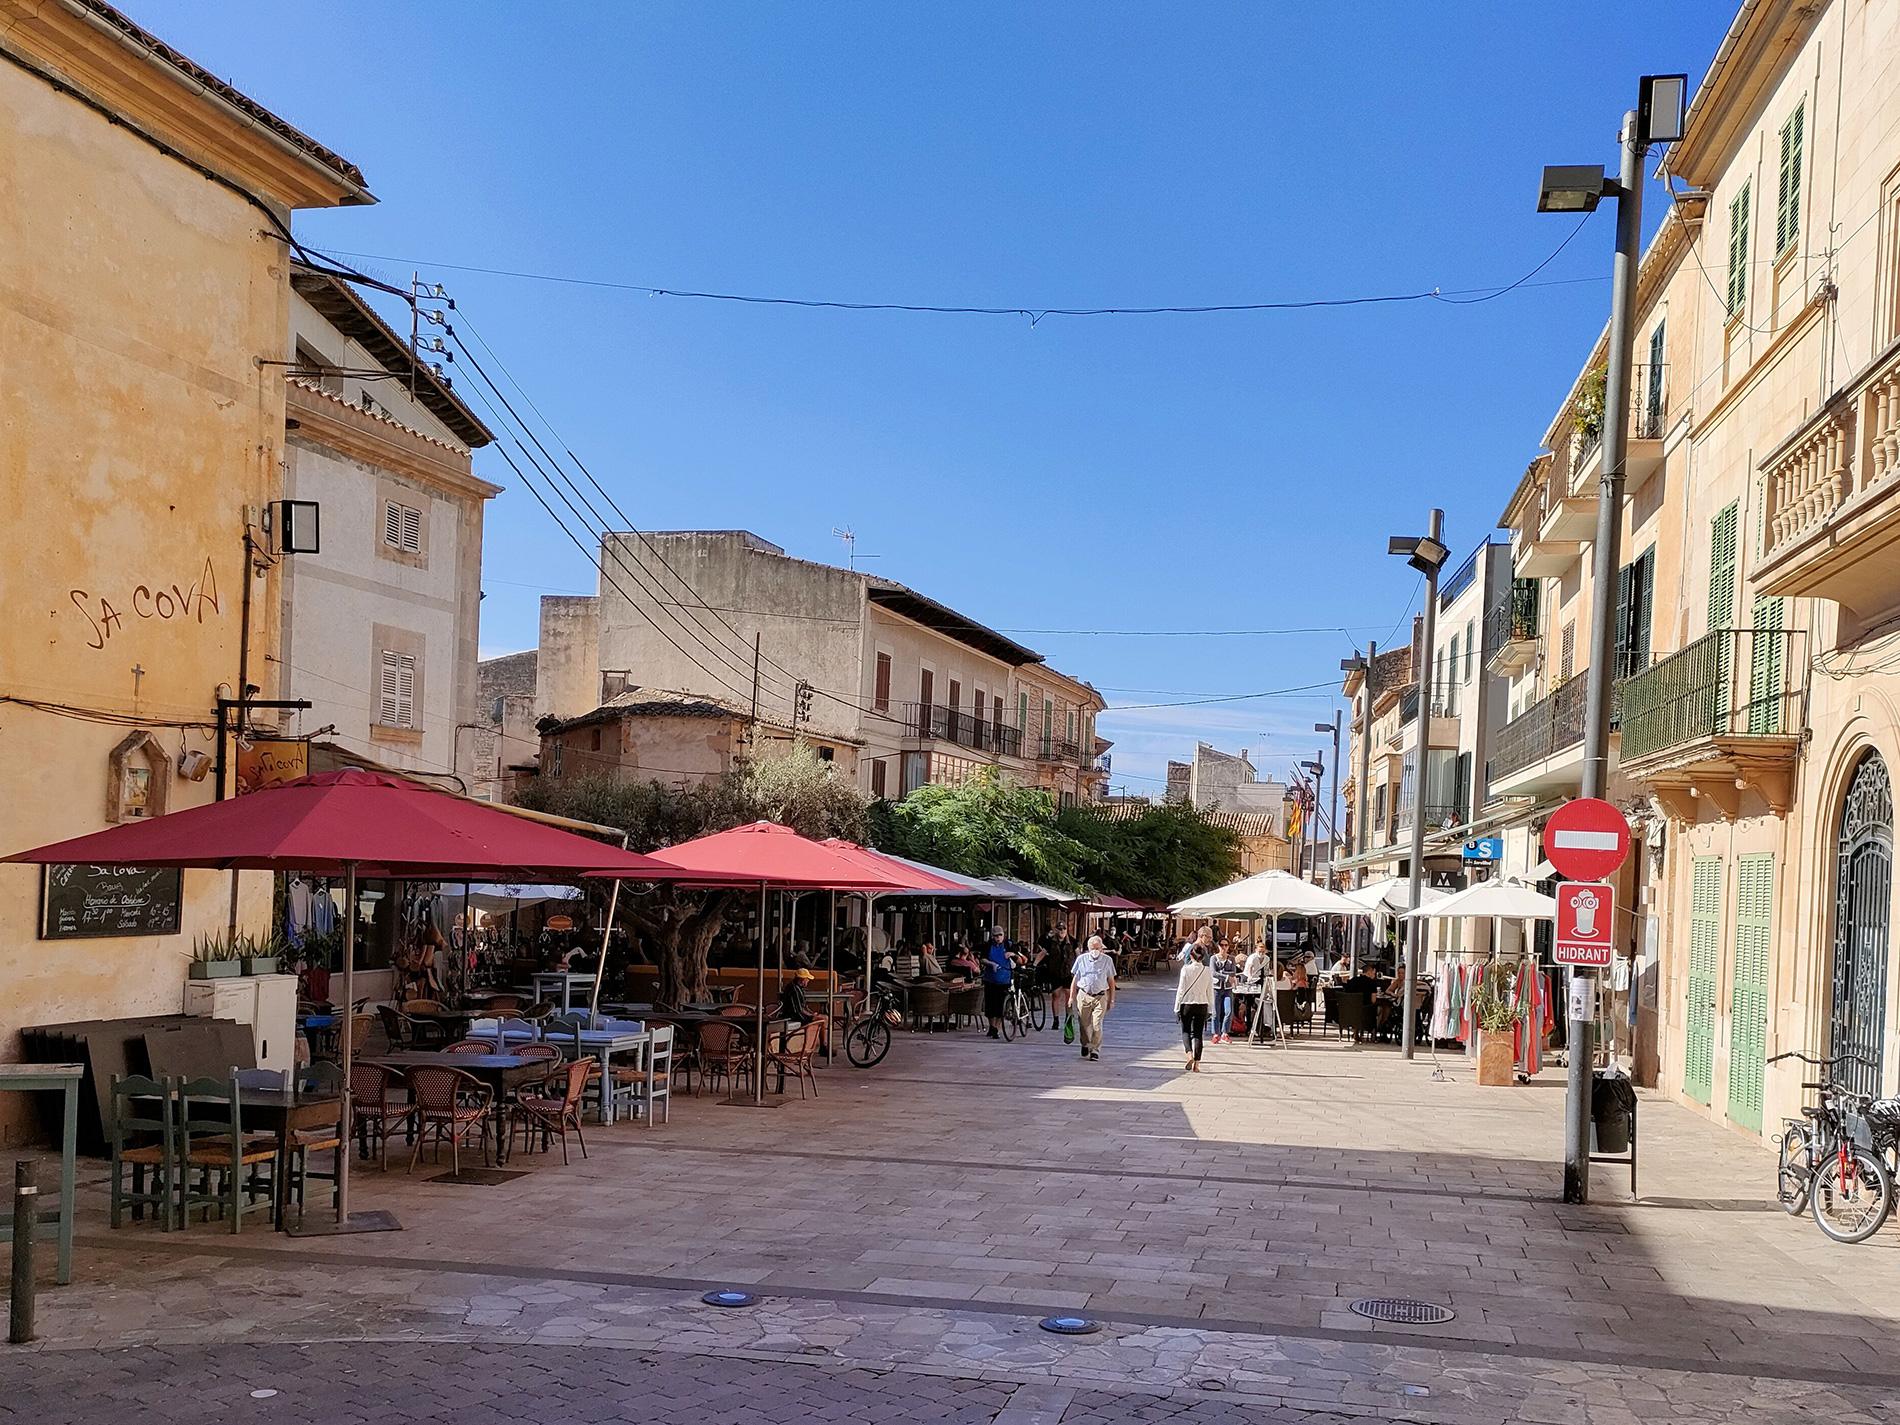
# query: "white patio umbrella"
(1393, 894)
(1271, 894)
(1496, 900)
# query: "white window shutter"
(389, 703)
(406, 691)
(411, 530)
(392, 524)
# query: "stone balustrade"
(1807, 482)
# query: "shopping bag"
(1236, 1024)
(1068, 1029)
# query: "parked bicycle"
(868, 1037)
(1023, 1007)
(1834, 1160)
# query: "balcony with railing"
(1511, 627)
(1831, 499)
(934, 722)
(1057, 750)
(1722, 716)
(1541, 749)
(1648, 419)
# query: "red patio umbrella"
(349, 823)
(776, 857)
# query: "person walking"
(1193, 998)
(1092, 990)
(998, 971)
(1226, 970)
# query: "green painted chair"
(230, 1166)
(143, 1138)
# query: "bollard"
(26, 1213)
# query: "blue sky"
(1106, 473)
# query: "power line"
(1221, 698)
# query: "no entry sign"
(1586, 839)
(1586, 920)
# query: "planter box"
(1497, 1063)
(216, 969)
(260, 964)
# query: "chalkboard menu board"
(83, 901)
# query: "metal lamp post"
(1657, 118)
(1332, 816)
(1427, 555)
(1317, 771)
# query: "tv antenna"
(845, 533)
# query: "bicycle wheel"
(1795, 1171)
(1038, 1010)
(867, 1041)
(1850, 1207)
(1014, 1015)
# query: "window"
(1888, 277)
(877, 779)
(614, 682)
(827, 754)
(1567, 663)
(997, 710)
(1738, 252)
(1022, 712)
(1635, 595)
(926, 691)
(1649, 385)
(955, 703)
(402, 527)
(1788, 190)
(1048, 724)
(1471, 648)
(881, 686)
(1071, 737)
(1722, 569)
(396, 690)
(1454, 660)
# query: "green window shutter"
(1705, 953)
(1722, 608)
(1738, 251)
(1748, 990)
(1788, 193)
(1765, 668)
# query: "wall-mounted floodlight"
(1425, 554)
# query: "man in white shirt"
(1204, 937)
(1093, 984)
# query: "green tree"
(1167, 852)
(679, 927)
(990, 825)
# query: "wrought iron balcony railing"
(1513, 618)
(1732, 682)
(1542, 730)
(945, 724)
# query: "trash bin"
(1613, 1112)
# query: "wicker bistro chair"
(450, 1104)
(374, 1111)
(1355, 1013)
(725, 1052)
(471, 1046)
(554, 1114)
(966, 1002)
(795, 1054)
(932, 1003)
(230, 1164)
(143, 1137)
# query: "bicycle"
(867, 1039)
(1835, 1162)
(1021, 1006)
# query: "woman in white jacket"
(1193, 999)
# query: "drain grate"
(1401, 1312)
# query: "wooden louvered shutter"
(1765, 668)
(1722, 607)
(1738, 251)
(1788, 193)
(1748, 990)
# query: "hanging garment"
(323, 911)
(1441, 1004)
(1455, 1002)
(297, 910)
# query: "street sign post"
(1587, 839)
(1586, 925)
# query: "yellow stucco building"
(144, 295)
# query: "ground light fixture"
(731, 1300)
(1070, 1325)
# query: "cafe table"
(560, 986)
(63, 1079)
(608, 1038)
(282, 1113)
(504, 1074)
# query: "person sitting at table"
(932, 966)
(965, 964)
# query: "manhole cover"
(731, 1299)
(1069, 1325)
(1401, 1312)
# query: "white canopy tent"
(1270, 894)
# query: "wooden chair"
(555, 1114)
(143, 1137)
(725, 1051)
(230, 1164)
(450, 1103)
(373, 1110)
(794, 1054)
(644, 1085)
(316, 1078)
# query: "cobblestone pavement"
(912, 1223)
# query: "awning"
(968, 887)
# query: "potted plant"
(215, 957)
(1491, 1003)
(260, 956)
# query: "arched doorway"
(1863, 894)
